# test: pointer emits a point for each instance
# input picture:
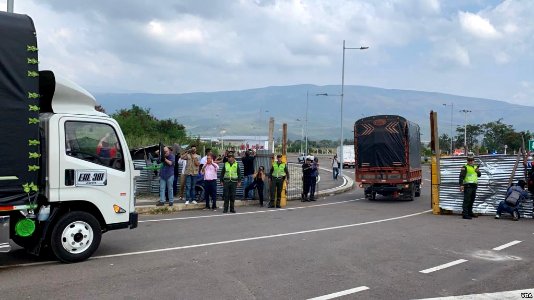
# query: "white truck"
(66, 174)
(348, 156)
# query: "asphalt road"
(371, 249)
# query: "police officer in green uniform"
(278, 174)
(468, 184)
(230, 179)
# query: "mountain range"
(246, 112)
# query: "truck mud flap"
(134, 220)
(4, 234)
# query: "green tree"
(498, 134)
(141, 128)
(445, 143)
(473, 134)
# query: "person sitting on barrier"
(514, 196)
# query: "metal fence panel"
(295, 184)
(492, 185)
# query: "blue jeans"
(166, 185)
(335, 173)
(247, 180)
(313, 185)
(503, 206)
(190, 182)
(210, 191)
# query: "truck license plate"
(91, 177)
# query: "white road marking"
(444, 266)
(342, 293)
(249, 212)
(229, 241)
(232, 241)
(263, 237)
(427, 180)
(506, 246)
(517, 294)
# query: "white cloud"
(477, 26)
(502, 57)
(186, 45)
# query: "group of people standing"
(206, 169)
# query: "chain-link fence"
(295, 185)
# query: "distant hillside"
(247, 112)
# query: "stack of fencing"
(492, 185)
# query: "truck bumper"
(132, 223)
(382, 189)
(4, 234)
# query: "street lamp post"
(342, 95)
(452, 109)
(465, 111)
(301, 134)
(306, 122)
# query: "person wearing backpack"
(514, 196)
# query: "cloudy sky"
(480, 48)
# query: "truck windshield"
(94, 142)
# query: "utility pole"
(435, 165)
(452, 109)
(284, 139)
(465, 111)
(342, 95)
(10, 5)
(271, 134)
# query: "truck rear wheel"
(417, 190)
(411, 196)
(75, 237)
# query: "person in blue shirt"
(313, 181)
(166, 177)
(514, 196)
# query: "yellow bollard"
(435, 186)
(283, 200)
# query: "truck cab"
(67, 175)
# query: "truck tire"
(417, 190)
(411, 196)
(371, 196)
(75, 237)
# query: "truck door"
(93, 167)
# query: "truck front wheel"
(75, 237)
